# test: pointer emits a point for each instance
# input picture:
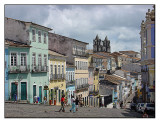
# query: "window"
(76, 65)
(13, 59)
(39, 60)
(34, 59)
(45, 38)
(33, 35)
(73, 75)
(55, 69)
(59, 69)
(39, 36)
(45, 60)
(69, 74)
(23, 59)
(62, 69)
(51, 69)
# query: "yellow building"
(81, 77)
(57, 70)
(94, 89)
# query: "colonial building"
(100, 45)
(6, 72)
(57, 72)
(70, 82)
(18, 71)
(75, 51)
(147, 35)
(33, 60)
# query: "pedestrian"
(73, 104)
(44, 99)
(62, 104)
(145, 115)
(121, 104)
(77, 102)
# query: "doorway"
(13, 92)
(40, 94)
(23, 91)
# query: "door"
(13, 91)
(40, 94)
(34, 91)
(59, 92)
(52, 96)
(45, 94)
(23, 91)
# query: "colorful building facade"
(57, 74)
(147, 34)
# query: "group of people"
(74, 103)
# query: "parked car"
(139, 107)
(149, 107)
(133, 106)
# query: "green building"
(35, 81)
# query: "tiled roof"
(114, 79)
(130, 52)
(116, 54)
(98, 56)
(135, 58)
(15, 43)
(103, 54)
(55, 53)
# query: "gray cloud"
(121, 23)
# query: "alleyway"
(42, 111)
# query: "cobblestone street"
(13, 110)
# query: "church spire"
(97, 37)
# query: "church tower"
(101, 46)
(107, 45)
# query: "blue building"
(70, 82)
(6, 73)
(147, 35)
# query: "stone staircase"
(130, 98)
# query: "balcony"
(80, 88)
(57, 76)
(39, 69)
(18, 69)
(94, 93)
(70, 83)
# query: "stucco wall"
(15, 30)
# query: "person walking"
(73, 104)
(145, 115)
(62, 104)
(77, 102)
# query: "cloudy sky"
(120, 23)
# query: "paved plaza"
(13, 110)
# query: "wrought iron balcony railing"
(82, 86)
(39, 68)
(70, 83)
(19, 69)
(57, 76)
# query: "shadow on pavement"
(133, 114)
